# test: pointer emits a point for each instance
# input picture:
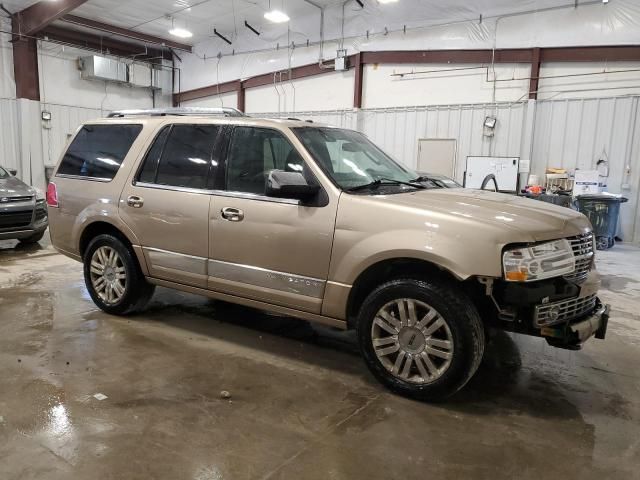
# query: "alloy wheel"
(108, 275)
(412, 341)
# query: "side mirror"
(13, 172)
(290, 185)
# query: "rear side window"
(97, 151)
(180, 156)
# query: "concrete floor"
(302, 403)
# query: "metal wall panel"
(9, 144)
(576, 133)
(64, 122)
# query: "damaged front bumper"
(573, 334)
(565, 313)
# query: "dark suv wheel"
(113, 277)
(423, 339)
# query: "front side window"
(351, 160)
(253, 153)
(3, 173)
(181, 156)
(97, 151)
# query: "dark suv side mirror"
(290, 185)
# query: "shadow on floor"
(501, 382)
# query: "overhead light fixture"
(388, 1)
(276, 16)
(181, 32)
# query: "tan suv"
(318, 223)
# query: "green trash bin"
(603, 211)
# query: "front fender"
(457, 255)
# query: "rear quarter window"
(97, 151)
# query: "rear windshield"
(98, 150)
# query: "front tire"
(113, 277)
(421, 338)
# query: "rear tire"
(113, 277)
(421, 338)
(35, 238)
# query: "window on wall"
(181, 156)
(253, 153)
(97, 151)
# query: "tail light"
(52, 195)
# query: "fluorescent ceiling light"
(276, 16)
(387, 1)
(180, 32)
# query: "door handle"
(135, 201)
(232, 214)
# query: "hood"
(535, 220)
(13, 187)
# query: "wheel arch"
(100, 227)
(389, 269)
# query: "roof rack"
(179, 111)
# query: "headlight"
(538, 262)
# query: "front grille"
(24, 198)
(582, 246)
(16, 219)
(558, 312)
(41, 214)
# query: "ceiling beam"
(515, 55)
(124, 32)
(295, 73)
(33, 19)
(532, 56)
(103, 45)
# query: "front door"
(167, 205)
(263, 248)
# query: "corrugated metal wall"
(397, 131)
(577, 133)
(9, 148)
(65, 121)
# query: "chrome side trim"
(83, 177)
(254, 196)
(219, 193)
(314, 317)
(262, 277)
(172, 188)
(177, 261)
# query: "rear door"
(167, 202)
(269, 249)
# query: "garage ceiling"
(228, 16)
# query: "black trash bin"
(603, 211)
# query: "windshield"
(352, 161)
(3, 173)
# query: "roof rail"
(178, 111)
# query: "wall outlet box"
(341, 64)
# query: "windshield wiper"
(434, 181)
(385, 181)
